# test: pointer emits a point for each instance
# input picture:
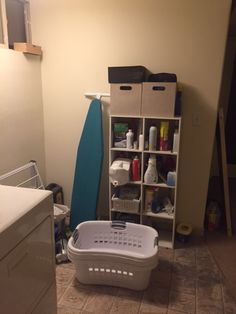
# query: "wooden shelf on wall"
(28, 48)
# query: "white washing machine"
(27, 257)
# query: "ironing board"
(88, 168)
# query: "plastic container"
(150, 175)
(164, 129)
(149, 197)
(136, 169)
(114, 253)
(120, 130)
(129, 206)
(171, 178)
(156, 202)
(129, 139)
(175, 148)
(119, 171)
(141, 142)
(183, 232)
(152, 138)
(213, 214)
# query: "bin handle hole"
(158, 88)
(125, 87)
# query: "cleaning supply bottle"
(135, 169)
(171, 178)
(149, 194)
(176, 142)
(140, 142)
(129, 139)
(153, 138)
(164, 129)
(156, 202)
(150, 175)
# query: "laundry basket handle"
(117, 224)
(156, 241)
(75, 235)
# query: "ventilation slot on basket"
(118, 238)
(110, 271)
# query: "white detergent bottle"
(141, 142)
(176, 142)
(129, 139)
(150, 175)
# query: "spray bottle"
(150, 175)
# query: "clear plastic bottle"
(150, 175)
(129, 139)
(152, 138)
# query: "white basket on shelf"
(131, 206)
(114, 253)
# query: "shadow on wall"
(103, 201)
(198, 131)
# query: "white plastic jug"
(119, 171)
(150, 175)
(129, 139)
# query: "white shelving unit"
(162, 221)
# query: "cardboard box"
(158, 99)
(126, 99)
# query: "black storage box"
(163, 77)
(128, 74)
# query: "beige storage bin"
(158, 99)
(126, 99)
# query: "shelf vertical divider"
(141, 173)
(110, 161)
(176, 185)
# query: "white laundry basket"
(114, 253)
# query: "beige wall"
(1, 28)
(21, 111)
(80, 39)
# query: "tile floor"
(187, 280)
